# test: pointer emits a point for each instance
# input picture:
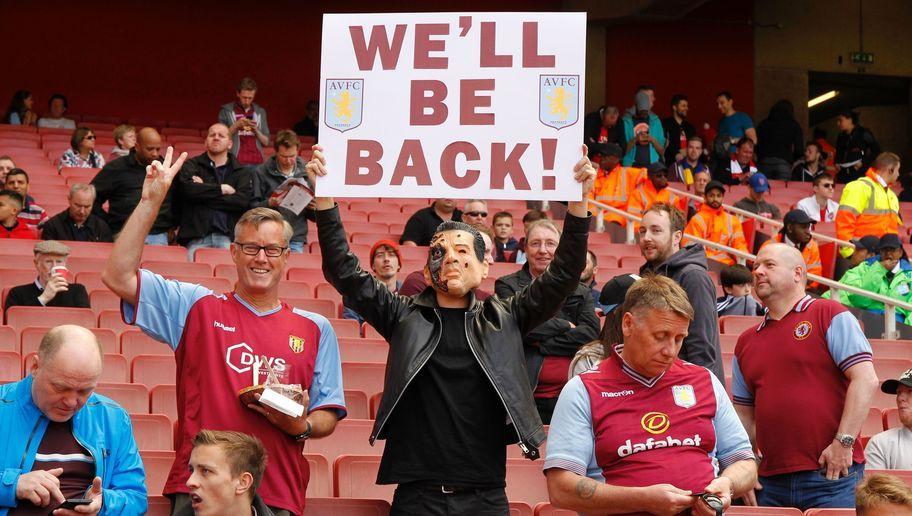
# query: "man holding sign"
(456, 390)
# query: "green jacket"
(870, 275)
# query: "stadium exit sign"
(862, 58)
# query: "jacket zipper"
(29, 443)
(522, 444)
(436, 343)
(88, 450)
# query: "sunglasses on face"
(90, 137)
(476, 213)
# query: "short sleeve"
(732, 442)
(875, 456)
(162, 306)
(846, 342)
(326, 391)
(571, 441)
(741, 393)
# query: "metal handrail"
(890, 304)
(777, 223)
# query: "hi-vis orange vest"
(614, 187)
(866, 208)
(720, 227)
(646, 195)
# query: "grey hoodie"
(688, 268)
(266, 179)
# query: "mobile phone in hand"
(72, 503)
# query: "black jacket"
(859, 144)
(495, 327)
(27, 295)
(688, 268)
(779, 135)
(198, 200)
(554, 336)
(61, 226)
(120, 184)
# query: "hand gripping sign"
(457, 105)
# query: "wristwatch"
(845, 440)
(306, 435)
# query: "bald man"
(120, 182)
(805, 372)
(61, 441)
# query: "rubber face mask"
(452, 268)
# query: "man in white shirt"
(57, 106)
(821, 207)
(892, 449)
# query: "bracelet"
(306, 435)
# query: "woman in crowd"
(82, 153)
(20, 109)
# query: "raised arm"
(120, 272)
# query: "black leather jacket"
(494, 328)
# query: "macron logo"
(617, 394)
(222, 326)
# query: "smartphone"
(72, 503)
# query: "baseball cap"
(797, 217)
(389, 243)
(653, 168)
(891, 386)
(715, 185)
(615, 290)
(889, 240)
(759, 183)
(605, 149)
(868, 242)
(51, 247)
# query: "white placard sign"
(455, 105)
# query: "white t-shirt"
(891, 449)
(56, 123)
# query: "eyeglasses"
(90, 137)
(272, 251)
(476, 213)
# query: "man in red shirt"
(227, 342)
(10, 225)
(802, 383)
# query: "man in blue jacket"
(59, 440)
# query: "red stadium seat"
(112, 320)
(132, 397)
(172, 253)
(171, 268)
(91, 281)
(296, 289)
(213, 256)
(159, 506)
(520, 509)
(9, 340)
(370, 237)
(873, 423)
(153, 431)
(305, 261)
(736, 324)
(354, 476)
(903, 474)
(891, 367)
(546, 509)
(134, 342)
(10, 366)
(356, 404)
(157, 464)
(325, 307)
(225, 270)
(370, 332)
(311, 276)
(346, 328)
(891, 348)
(829, 512)
(346, 507)
(327, 291)
(163, 400)
(151, 370)
(103, 300)
(728, 342)
(22, 316)
(525, 482)
(375, 404)
(367, 377)
(13, 277)
(350, 436)
(320, 482)
(363, 350)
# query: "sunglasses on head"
(476, 213)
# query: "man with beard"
(654, 190)
(678, 131)
(456, 389)
(713, 223)
(660, 242)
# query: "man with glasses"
(821, 207)
(475, 211)
(226, 342)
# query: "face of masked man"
(456, 261)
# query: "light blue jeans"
(214, 240)
(157, 239)
(296, 246)
(810, 489)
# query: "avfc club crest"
(684, 396)
(558, 100)
(344, 100)
(802, 330)
(296, 343)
